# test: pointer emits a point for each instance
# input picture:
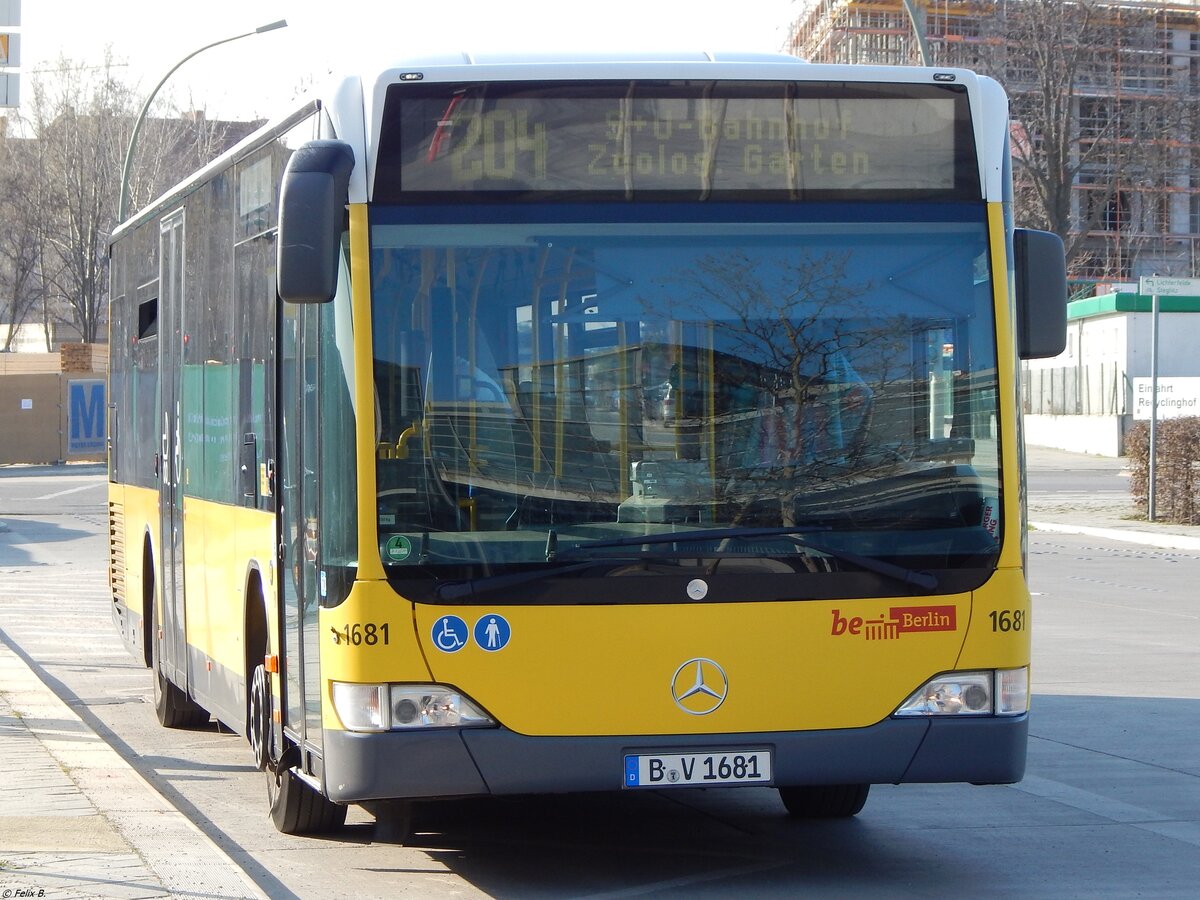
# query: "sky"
(260, 75)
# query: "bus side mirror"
(312, 204)
(1041, 293)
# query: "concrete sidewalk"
(77, 821)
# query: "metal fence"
(1096, 390)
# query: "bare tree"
(175, 144)
(1095, 102)
(1101, 114)
(20, 284)
(80, 121)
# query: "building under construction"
(1111, 87)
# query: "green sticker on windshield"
(398, 548)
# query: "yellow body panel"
(222, 544)
(1007, 379)
(370, 565)
(999, 634)
(593, 670)
(400, 659)
(790, 665)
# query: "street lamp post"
(917, 18)
(123, 205)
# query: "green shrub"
(1177, 470)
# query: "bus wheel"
(295, 807)
(258, 719)
(824, 801)
(298, 809)
(173, 706)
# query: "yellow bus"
(492, 426)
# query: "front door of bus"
(173, 646)
(298, 523)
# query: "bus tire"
(295, 807)
(824, 801)
(173, 707)
(298, 809)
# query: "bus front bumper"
(481, 761)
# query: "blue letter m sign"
(85, 416)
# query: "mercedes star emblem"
(699, 686)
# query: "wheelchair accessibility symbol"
(450, 634)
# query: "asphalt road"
(1110, 806)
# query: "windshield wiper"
(455, 590)
(925, 581)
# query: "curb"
(1162, 540)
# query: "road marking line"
(1113, 810)
(74, 490)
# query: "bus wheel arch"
(258, 689)
(172, 705)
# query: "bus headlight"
(390, 707)
(434, 706)
(999, 692)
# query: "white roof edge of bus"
(993, 142)
(665, 55)
(347, 114)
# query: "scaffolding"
(1133, 219)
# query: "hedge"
(1177, 469)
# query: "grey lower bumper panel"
(454, 763)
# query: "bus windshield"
(545, 386)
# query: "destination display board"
(676, 140)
